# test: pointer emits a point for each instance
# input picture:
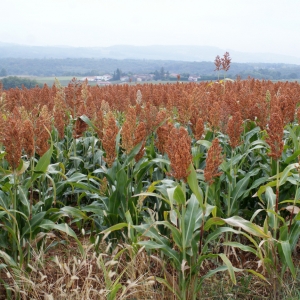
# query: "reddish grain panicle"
(235, 129)
(109, 138)
(213, 161)
(178, 148)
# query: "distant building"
(193, 78)
(124, 78)
(105, 77)
(143, 77)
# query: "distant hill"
(80, 67)
(155, 52)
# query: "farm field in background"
(150, 190)
(65, 80)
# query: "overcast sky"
(249, 26)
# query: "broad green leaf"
(213, 221)
(294, 234)
(286, 255)
(240, 189)
(34, 223)
(229, 266)
(131, 235)
(24, 200)
(190, 220)
(205, 143)
(49, 225)
(241, 246)
(76, 177)
(292, 157)
(114, 228)
(150, 245)
(85, 119)
(41, 166)
(285, 173)
(95, 209)
(177, 237)
(271, 202)
(179, 195)
(193, 184)
(249, 227)
(74, 212)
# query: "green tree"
(3, 72)
(12, 82)
(156, 75)
(117, 74)
(162, 73)
(293, 76)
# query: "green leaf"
(286, 255)
(213, 221)
(95, 209)
(22, 191)
(190, 220)
(271, 199)
(49, 225)
(285, 173)
(114, 228)
(205, 143)
(241, 246)
(74, 212)
(150, 245)
(34, 223)
(85, 119)
(131, 234)
(292, 157)
(175, 233)
(76, 177)
(249, 227)
(179, 195)
(240, 189)
(41, 166)
(193, 184)
(229, 266)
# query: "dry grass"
(62, 273)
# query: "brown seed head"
(178, 148)
(163, 136)
(199, 130)
(218, 63)
(226, 60)
(110, 132)
(235, 129)
(12, 139)
(275, 135)
(213, 161)
(28, 138)
(140, 137)
(128, 130)
(41, 131)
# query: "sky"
(263, 26)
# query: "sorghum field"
(168, 191)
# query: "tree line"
(93, 67)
